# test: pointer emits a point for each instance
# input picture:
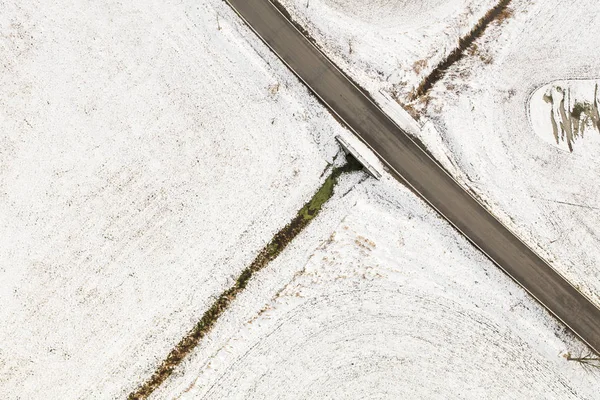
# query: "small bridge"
(348, 149)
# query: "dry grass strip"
(499, 13)
(266, 255)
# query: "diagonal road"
(411, 165)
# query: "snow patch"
(564, 114)
(389, 302)
(387, 45)
(148, 151)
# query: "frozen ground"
(380, 298)
(148, 151)
(547, 194)
(479, 123)
(387, 44)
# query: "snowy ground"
(380, 298)
(547, 194)
(148, 151)
(488, 135)
(387, 44)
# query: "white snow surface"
(387, 44)
(381, 298)
(148, 151)
(548, 196)
(478, 123)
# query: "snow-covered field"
(147, 152)
(488, 137)
(549, 196)
(380, 298)
(387, 44)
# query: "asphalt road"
(411, 165)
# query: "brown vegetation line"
(499, 12)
